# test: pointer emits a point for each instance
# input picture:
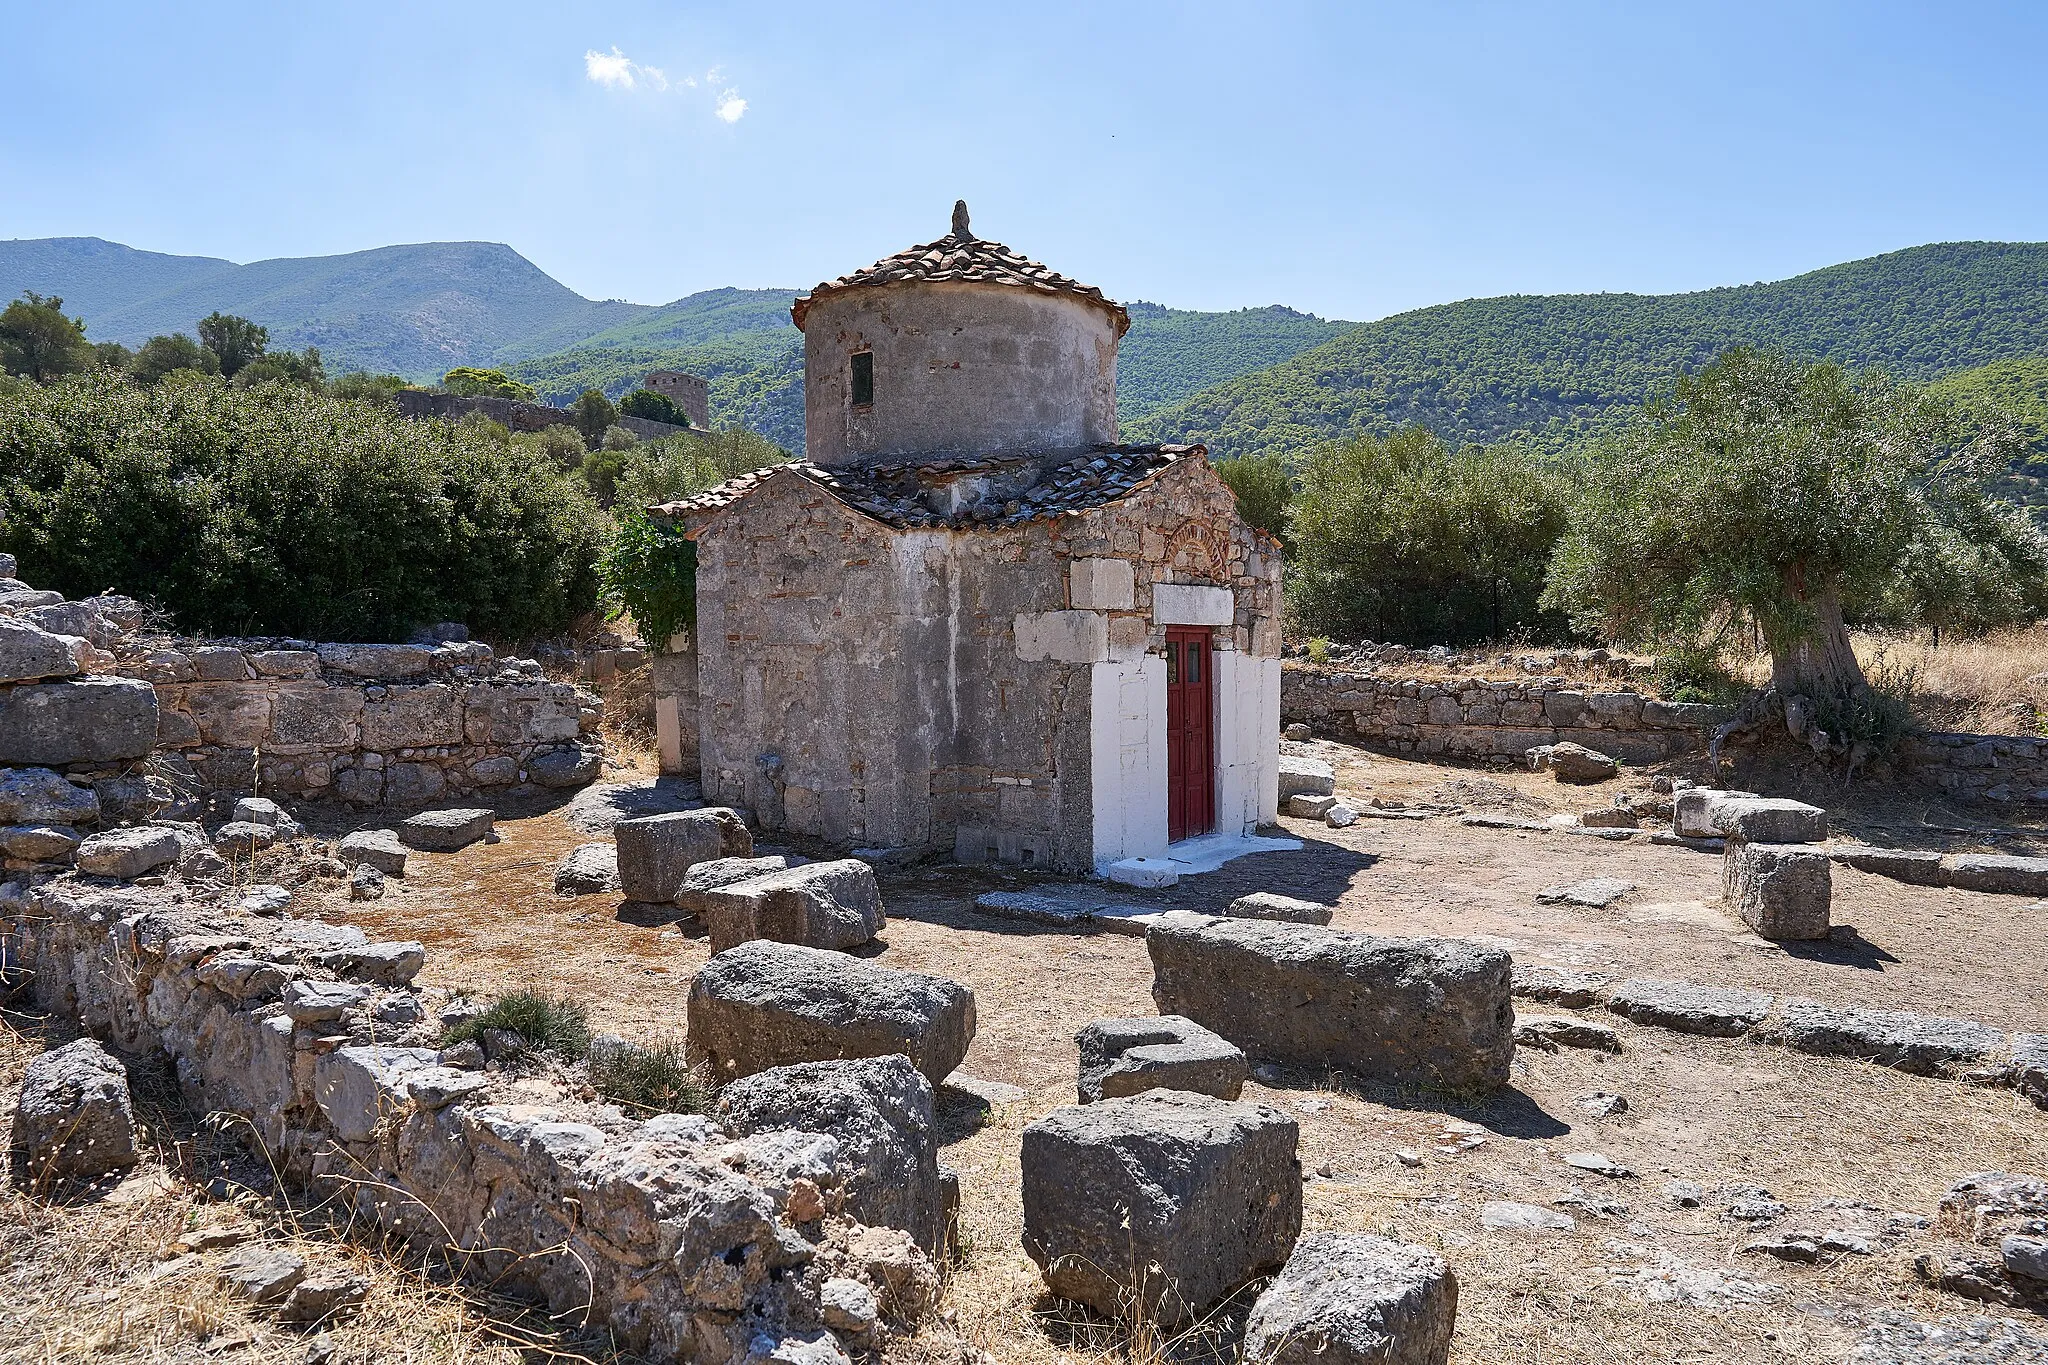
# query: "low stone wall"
(396, 725)
(1477, 718)
(2008, 769)
(688, 1242)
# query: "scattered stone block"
(319, 1298)
(1142, 872)
(719, 872)
(261, 810)
(445, 831)
(879, 1112)
(1425, 1011)
(1548, 1032)
(37, 796)
(264, 898)
(589, 870)
(243, 839)
(260, 1274)
(1301, 776)
(366, 883)
(1167, 1052)
(85, 720)
(380, 848)
(1272, 905)
(29, 654)
(1712, 1011)
(1692, 812)
(1783, 891)
(1895, 1338)
(1341, 816)
(657, 851)
(1570, 762)
(2028, 1070)
(1355, 1299)
(1310, 807)
(1558, 985)
(1984, 1207)
(1601, 1104)
(1505, 1215)
(1920, 867)
(1297, 731)
(1595, 892)
(572, 765)
(1168, 1201)
(821, 905)
(765, 1004)
(1767, 820)
(1609, 817)
(74, 1119)
(38, 843)
(1997, 873)
(129, 853)
(1598, 1163)
(1925, 1045)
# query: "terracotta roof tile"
(960, 255)
(902, 495)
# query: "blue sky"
(1352, 160)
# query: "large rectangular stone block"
(27, 653)
(308, 716)
(413, 718)
(822, 905)
(1164, 1202)
(1783, 891)
(657, 851)
(92, 720)
(1407, 1010)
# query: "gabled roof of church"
(960, 255)
(901, 495)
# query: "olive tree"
(1795, 497)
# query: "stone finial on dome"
(960, 228)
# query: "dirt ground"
(1639, 1279)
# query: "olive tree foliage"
(1263, 489)
(234, 341)
(279, 509)
(1796, 497)
(679, 466)
(39, 342)
(1404, 538)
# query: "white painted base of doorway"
(1192, 857)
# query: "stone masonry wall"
(1476, 718)
(2007, 769)
(686, 1241)
(397, 725)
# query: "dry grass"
(1995, 684)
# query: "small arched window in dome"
(863, 379)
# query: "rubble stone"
(1783, 891)
(1272, 905)
(74, 1119)
(1164, 1052)
(445, 831)
(37, 796)
(765, 1004)
(657, 851)
(129, 853)
(378, 848)
(1168, 1199)
(588, 870)
(1548, 1032)
(28, 654)
(1572, 762)
(1427, 1011)
(1355, 1299)
(261, 1274)
(821, 905)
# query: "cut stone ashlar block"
(1163, 1052)
(30, 654)
(1305, 777)
(380, 848)
(1702, 813)
(1272, 905)
(1355, 1299)
(1160, 1204)
(1997, 872)
(74, 1119)
(657, 851)
(1926, 1045)
(705, 877)
(1920, 867)
(87, 720)
(1783, 891)
(129, 853)
(1420, 1011)
(445, 831)
(1687, 1007)
(765, 1004)
(821, 905)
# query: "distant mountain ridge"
(1556, 368)
(421, 310)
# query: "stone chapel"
(969, 620)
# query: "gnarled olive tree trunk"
(1817, 661)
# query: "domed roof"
(960, 255)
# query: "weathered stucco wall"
(939, 688)
(960, 369)
(398, 725)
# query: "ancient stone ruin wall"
(397, 725)
(2008, 769)
(687, 1242)
(1475, 718)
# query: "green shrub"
(650, 1080)
(677, 467)
(653, 407)
(649, 571)
(560, 1026)
(281, 510)
(467, 381)
(1692, 671)
(618, 438)
(1264, 491)
(1319, 650)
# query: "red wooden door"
(1190, 761)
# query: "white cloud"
(621, 72)
(731, 106)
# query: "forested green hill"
(1554, 368)
(2020, 388)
